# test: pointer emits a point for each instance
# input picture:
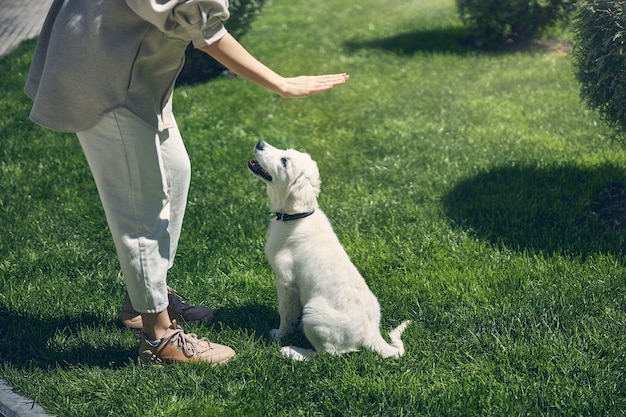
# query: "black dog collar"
(288, 217)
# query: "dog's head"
(292, 178)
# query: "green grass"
(460, 182)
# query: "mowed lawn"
(474, 191)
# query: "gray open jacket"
(94, 56)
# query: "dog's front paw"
(296, 353)
(276, 334)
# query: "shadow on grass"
(34, 342)
(551, 210)
(451, 40)
(446, 40)
(254, 317)
(260, 319)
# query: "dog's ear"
(304, 190)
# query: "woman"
(105, 70)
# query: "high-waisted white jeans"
(142, 178)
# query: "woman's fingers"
(306, 85)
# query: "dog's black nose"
(260, 145)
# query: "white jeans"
(142, 178)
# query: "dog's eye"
(284, 162)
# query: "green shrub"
(600, 58)
(200, 67)
(494, 21)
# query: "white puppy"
(317, 284)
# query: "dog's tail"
(396, 347)
(395, 334)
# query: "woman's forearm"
(230, 53)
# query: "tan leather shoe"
(178, 346)
(177, 309)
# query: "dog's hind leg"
(329, 333)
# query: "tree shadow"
(445, 40)
(541, 210)
(449, 40)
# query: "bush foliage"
(494, 21)
(600, 30)
(201, 67)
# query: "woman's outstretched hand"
(235, 57)
(308, 85)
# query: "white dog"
(317, 284)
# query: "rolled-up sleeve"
(201, 21)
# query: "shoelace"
(188, 347)
(176, 294)
(188, 344)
